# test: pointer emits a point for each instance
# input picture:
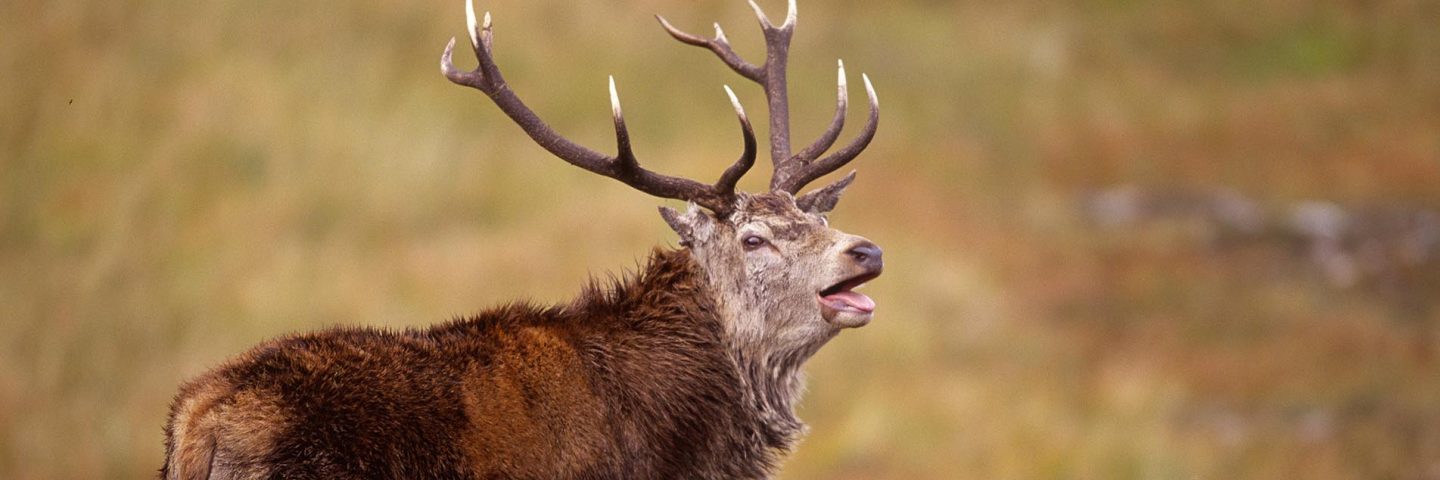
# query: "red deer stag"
(690, 368)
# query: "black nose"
(867, 254)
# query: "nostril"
(865, 253)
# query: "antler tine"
(623, 166)
(842, 99)
(625, 156)
(732, 175)
(720, 45)
(470, 24)
(759, 13)
(807, 173)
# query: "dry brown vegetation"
(179, 180)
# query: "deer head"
(783, 278)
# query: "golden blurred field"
(179, 180)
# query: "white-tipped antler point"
(719, 33)
(446, 63)
(614, 99)
(470, 22)
(735, 102)
(790, 12)
(870, 90)
(840, 74)
(765, 21)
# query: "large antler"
(622, 166)
(792, 172)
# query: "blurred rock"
(1347, 245)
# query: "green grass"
(179, 180)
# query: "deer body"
(634, 382)
(689, 368)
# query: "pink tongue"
(855, 300)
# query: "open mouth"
(842, 296)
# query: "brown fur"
(632, 382)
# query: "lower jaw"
(845, 318)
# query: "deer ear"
(685, 224)
(823, 200)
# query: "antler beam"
(622, 166)
(791, 172)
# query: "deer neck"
(768, 357)
(773, 384)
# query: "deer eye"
(753, 241)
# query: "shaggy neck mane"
(671, 290)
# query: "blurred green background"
(180, 180)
